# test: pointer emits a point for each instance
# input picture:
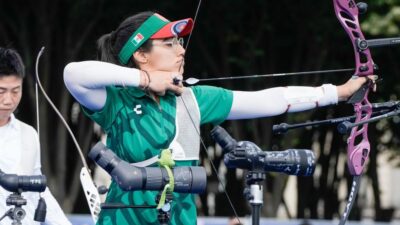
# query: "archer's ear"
(140, 57)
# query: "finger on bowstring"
(176, 80)
(178, 90)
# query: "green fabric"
(215, 103)
(137, 135)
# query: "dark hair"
(109, 45)
(11, 63)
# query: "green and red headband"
(155, 27)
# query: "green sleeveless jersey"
(137, 129)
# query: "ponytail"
(105, 50)
(109, 45)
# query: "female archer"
(132, 94)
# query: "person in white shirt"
(19, 143)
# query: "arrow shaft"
(277, 75)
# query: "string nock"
(176, 80)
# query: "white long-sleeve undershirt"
(87, 82)
(276, 101)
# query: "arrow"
(192, 80)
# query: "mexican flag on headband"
(137, 39)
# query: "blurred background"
(230, 38)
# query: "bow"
(90, 190)
(358, 146)
(347, 12)
(362, 107)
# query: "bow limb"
(90, 190)
(347, 13)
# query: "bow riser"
(358, 146)
(357, 154)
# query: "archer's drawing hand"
(160, 82)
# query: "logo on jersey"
(138, 110)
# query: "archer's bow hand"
(346, 90)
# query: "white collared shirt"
(20, 154)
